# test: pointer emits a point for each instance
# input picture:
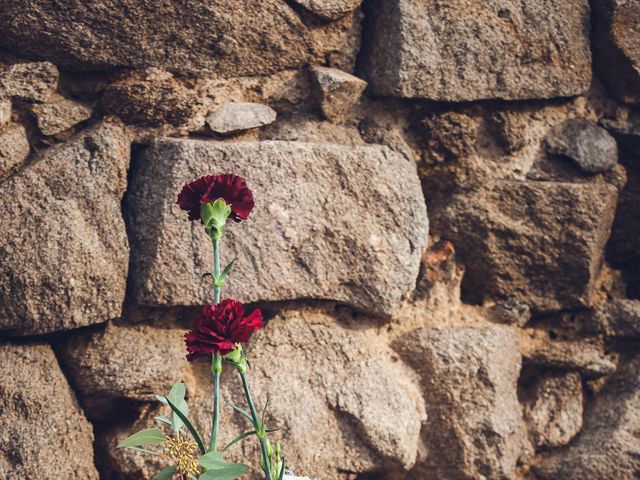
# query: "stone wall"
(446, 241)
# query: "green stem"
(216, 270)
(216, 366)
(257, 426)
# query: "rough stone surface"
(509, 313)
(329, 9)
(342, 373)
(468, 378)
(5, 111)
(588, 145)
(142, 362)
(34, 82)
(123, 463)
(228, 37)
(44, 433)
(608, 447)
(461, 50)
(587, 357)
(617, 46)
(153, 97)
(60, 115)
(539, 243)
(553, 411)
(14, 149)
(65, 263)
(617, 318)
(315, 234)
(234, 117)
(337, 91)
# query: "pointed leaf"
(238, 438)
(281, 476)
(264, 411)
(166, 473)
(163, 419)
(229, 472)
(190, 427)
(212, 461)
(244, 435)
(149, 436)
(241, 411)
(227, 270)
(176, 395)
(143, 450)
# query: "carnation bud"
(216, 365)
(214, 215)
(268, 448)
(237, 359)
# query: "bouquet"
(217, 334)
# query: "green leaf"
(238, 438)
(229, 472)
(281, 476)
(212, 461)
(163, 419)
(150, 436)
(190, 427)
(176, 395)
(166, 473)
(244, 435)
(143, 450)
(241, 411)
(264, 411)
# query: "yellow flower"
(183, 452)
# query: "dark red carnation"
(231, 188)
(220, 327)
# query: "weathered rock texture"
(14, 148)
(589, 146)
(60, 115)
(608, 445)
(142, 361)
(460, 50)
(337, 91)
(65, 263)
(502, 351)
(34, 82)
(44, 433)
(553, 411)
(234, 117)
(366, 411)
(539, 242)
(227, 38)
(340, 223)
(617, 46)
(468, 377)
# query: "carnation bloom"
(231, 188)
(219, 327)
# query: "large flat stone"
(345, 404)
(228, 37)
(331, 222)
(455, 50)
(64, 257)
(44, 433)
(469, 380)
(540, 243)
(142, 362)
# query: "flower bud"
(214, 216)
(237, 359)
